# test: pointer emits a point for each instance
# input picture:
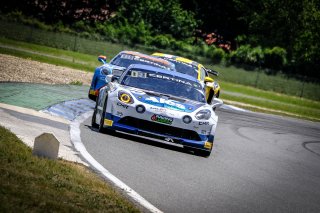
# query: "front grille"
(160, 128)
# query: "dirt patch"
(14, 69)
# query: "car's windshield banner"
(144, 60)
(139, 74)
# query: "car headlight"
(125, 97)
(204, 114)
(105, 71)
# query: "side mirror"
(208, 79)
(213, 72)
(102, 59)
(216, 103)
(110, 78)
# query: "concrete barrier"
(46, 145)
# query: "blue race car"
(160, 104)
(118, 64)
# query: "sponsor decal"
(122, 105)
(204, 123)
(166, 103)
(108, 122)
(169, 140)
(146, 59)
(138, 92)
(138, 74)
(154, 75)
(156, 109)
(161, 119)
(208, 145)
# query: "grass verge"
(270, 102)
(29, 183)
(257, 99)
(49, 55)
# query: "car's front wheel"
(218, 94)
(93, 120)
(101, 128)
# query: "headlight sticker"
(161, 119)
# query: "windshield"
(125, 60)
(185, 68)
(164, 84)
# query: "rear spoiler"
(213, 72)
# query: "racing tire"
(218, 94)
(101, 128)
(92, 97)
(93, 119)
(211, 97)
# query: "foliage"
(216, 54)
(275, 58)
(279, 35)
(163, 17)
(293, 25)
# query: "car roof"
(177, 58)
(163, 71)
(149, 57)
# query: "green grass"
(275, 83)
(271, 102)
(32, 184)
(49, 55)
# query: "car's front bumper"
(159, 131)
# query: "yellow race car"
(196, 70)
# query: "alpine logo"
(161, 119)
(169, 140)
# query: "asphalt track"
(260, 163)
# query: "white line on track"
(76, 140)
(226, 106)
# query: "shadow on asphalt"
(145, 141)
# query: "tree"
(162, 17)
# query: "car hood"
(160, 100)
